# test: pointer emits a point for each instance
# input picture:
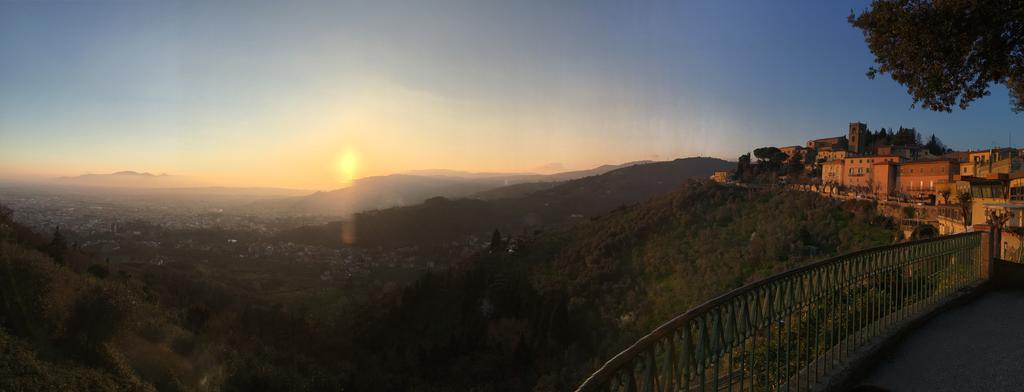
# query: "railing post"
(988, 247)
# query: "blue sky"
(277, 93)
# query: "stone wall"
(896, 210)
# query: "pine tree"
(58, 247)
(935, 146)
(495, 240)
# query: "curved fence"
(787, 331)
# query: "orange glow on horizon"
(346, 165)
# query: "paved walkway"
(975, 347)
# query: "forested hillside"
(536, 313)
(547, 314)
(68, 323)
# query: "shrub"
(98, 270)
(94, 320)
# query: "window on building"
(1017, 193)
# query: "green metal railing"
(787, 331)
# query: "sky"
(310, 94)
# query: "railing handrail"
(647, 341)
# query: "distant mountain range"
(414, 187)
(130, 179)
(512, 178)
(516, 207)
(366, 194)
(464, 174)
(132, 183)
(120, 174)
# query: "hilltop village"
(926, 183)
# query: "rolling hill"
(414, 187)
(374, 193)
(443, 219)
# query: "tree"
(770, 157)
(947, 52)
(794, 168)
(94, 319)
(935, 146)
(923, 232)
(6, 213)
(58, 247)
(965, 207)
(905, 137)
(5, 218)
(495, 240)
(945, 195)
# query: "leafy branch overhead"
(947, 53)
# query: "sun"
(347, 165)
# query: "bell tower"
(855, 138)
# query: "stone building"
(832, 172)
(857, 170)
(721, 176)
(920, 177)
(856, 138)
(829, 154)
(835, 143)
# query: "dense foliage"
(64, 329)
(534, 312)
(546, 315)
(947, 52)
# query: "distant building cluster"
(855, 165)
(908, 172)
(850, 163)
(966, 188)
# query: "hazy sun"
(347, 165)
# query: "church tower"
(855, 139)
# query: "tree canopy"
(771, 156)
(947, 52)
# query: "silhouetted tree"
(947, 52)
(6, 230)
(58, 246)
(905, 137)
(770, 158)
(496, 240)
(935, 146)
(6, 213)
(794, 168)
